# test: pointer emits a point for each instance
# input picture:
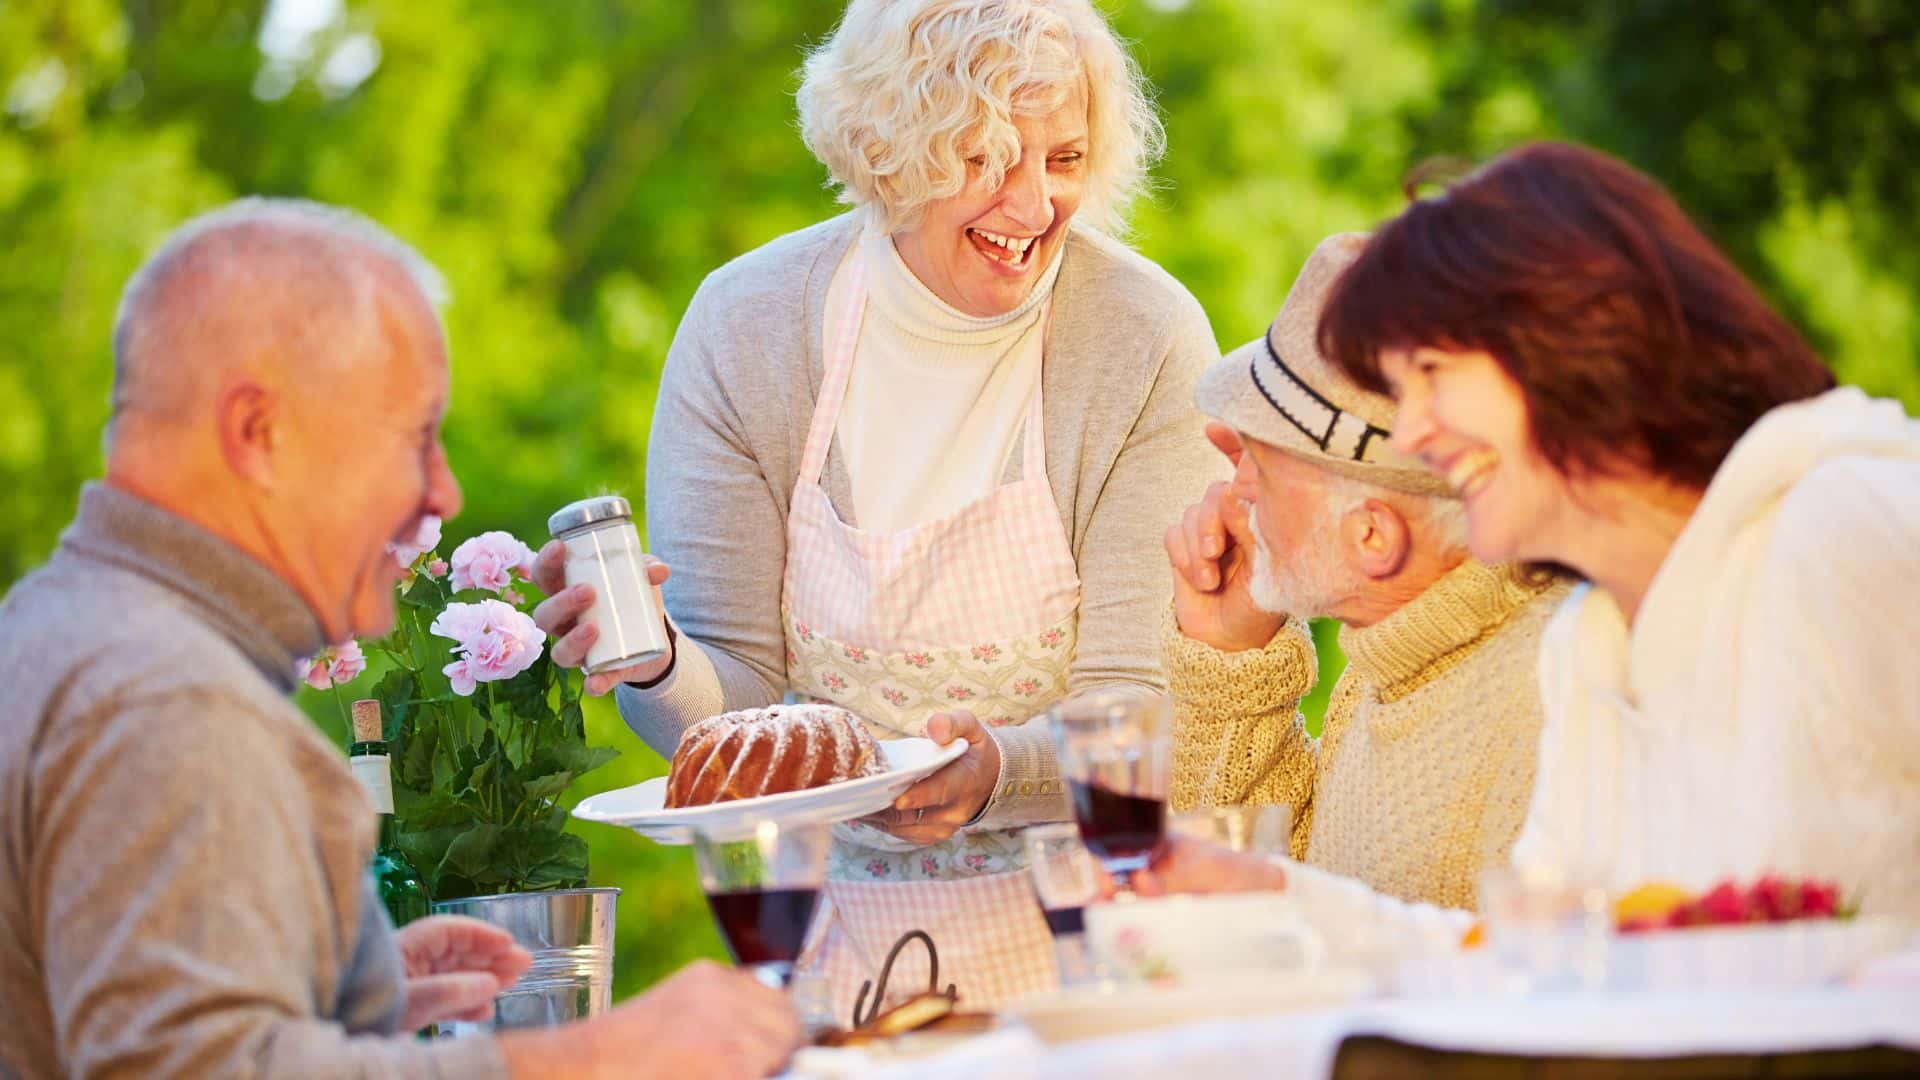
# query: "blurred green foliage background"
(576, 166)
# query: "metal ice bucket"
(570, 933)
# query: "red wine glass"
(762, 883)
(1116, 750)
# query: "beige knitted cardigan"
(1424, 769)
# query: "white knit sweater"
(1763, 712)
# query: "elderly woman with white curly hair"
(914, 460)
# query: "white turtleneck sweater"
(938, 400)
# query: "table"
(1823, 1032)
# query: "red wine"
(1117, 827)
(764, 927)
(1067, 920)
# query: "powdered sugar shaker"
(603, 550)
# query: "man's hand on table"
(704, 1020)
(455, 966)
(1211, 551)
(1186, 865)
(559, 615)
(936, 807)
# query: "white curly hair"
(904, 92)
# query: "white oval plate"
(642, 807)
(1093, 1011)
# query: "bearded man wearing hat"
(1424, 769)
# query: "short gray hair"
(318, 256)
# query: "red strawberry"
(1819, 899)
(1724, 903)
(1777, 899)
(1690, 913)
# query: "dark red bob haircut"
(1633, 339)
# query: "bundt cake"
(752, 752)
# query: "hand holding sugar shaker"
(603, 550)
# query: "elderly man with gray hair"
(183, 857)
(1424, 769)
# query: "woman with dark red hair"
(1736, 688)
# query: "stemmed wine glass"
(762, 883)
(1116, 750)
(1065, 881)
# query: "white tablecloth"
(1303, 1044)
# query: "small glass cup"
(1116, 751)
(763, 884)
(1545, 927)
(1065, 881)
(1255, 828)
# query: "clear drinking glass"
(1258, 829)
(763, 884)
(1116, 750)
(1546, 927)
(1065, 882)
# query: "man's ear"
(1376, 538)
(248, 421)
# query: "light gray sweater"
(1126, 450)
(183, 857)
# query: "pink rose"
(460, 674)
(316, 670)
(491, 561)
(348, 662)
(927, 865)
(878, 868)
(985, 653)
(332, 665)
(437, 568)
(493, 641)
(425, 538)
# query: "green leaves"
(477, 779)
(482, 860)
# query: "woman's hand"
(455, 966)
(559, 614)
(935, 808)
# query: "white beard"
(1304, 587)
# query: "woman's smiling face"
(983, 250)
(1466, 418)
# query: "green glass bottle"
(401, 887)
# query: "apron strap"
(842, 335)
(1033, 460)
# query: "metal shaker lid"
(578, 515)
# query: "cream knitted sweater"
(1424, 769)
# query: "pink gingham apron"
(975, 610)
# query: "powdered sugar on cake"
(753, 752)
